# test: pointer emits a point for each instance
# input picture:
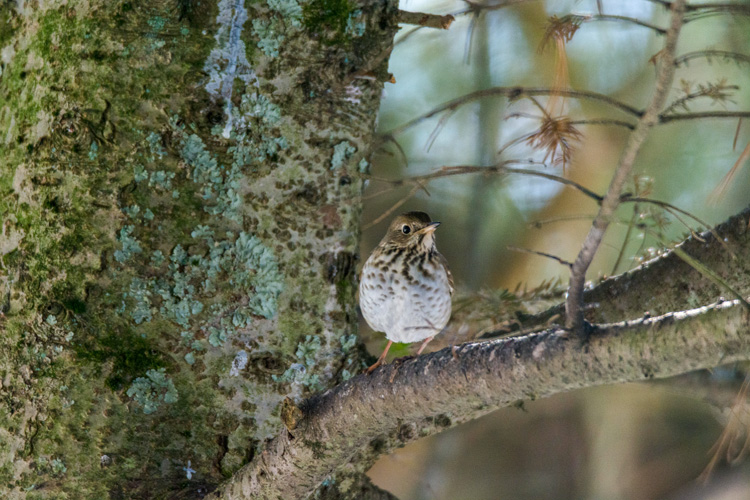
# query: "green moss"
(74, 305)
(328, 18)
(129, 354)
(9, 22)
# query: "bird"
(406, 287)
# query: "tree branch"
(712, 54)
(667, 283)
(402, 402)
(574, 303)
(515, 93)
(501, 169)
(638, 22)
(704, 114)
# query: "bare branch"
(394, 207)
(452, 386)
(718, 92)
(711, 54)
(574, 303)
(704, 114)
(501, 168)
(515, 93)
(604, 121)
(632, 20)
(541, 254)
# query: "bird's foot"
(403, 359)
(381, 359)
(373, 366)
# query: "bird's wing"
(444, 263)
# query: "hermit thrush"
(406, 287)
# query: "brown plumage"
(406, 286)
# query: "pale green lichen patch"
(289, 9)
(354, 24)
(153, 390)
(341, 153)
(130, 245)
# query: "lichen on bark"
(179, 256)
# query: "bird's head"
(412, 229)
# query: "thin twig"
(574, 320)
(632, 20)
(543, 254)
(390, 138)
(393, 208)
(712, 91)
(726, 181)
(516, 93)
(537, 224)
(473, 8)
(710, 54)
(703, 114)
(604, 121)
(587, 121)
(626, 240)
(501, 168)
(672, 209)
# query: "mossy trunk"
(180, 201)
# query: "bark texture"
(401, 402)
(180, 197)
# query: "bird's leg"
(380, 359)
(426, 341)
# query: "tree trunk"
(180, 202)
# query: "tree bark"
(181, 202)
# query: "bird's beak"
(429, 228)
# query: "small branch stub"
(426, 20)
(290, 414)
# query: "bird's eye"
(405, 229)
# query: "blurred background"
(643, 441)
